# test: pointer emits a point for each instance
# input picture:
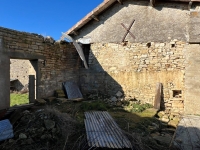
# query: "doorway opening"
(20, 72)
(86, 52)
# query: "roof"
(101, 8)
(93, 14)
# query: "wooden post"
(31, 88)
(158, 96)
(4, 78)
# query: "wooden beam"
(190, 5)
(120, 1)
(75, 32)
(183, 0)
(158, 96)
(152, 3)
(95, 18)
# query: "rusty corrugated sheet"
(103, 132)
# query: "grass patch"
(137, 123)
(18, 99)
(96, 105)
(127, 120)
(140, 107)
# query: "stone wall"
(61, 59)
(21, 69)
(163, 42)
(162, 23)
(135, 69)
(192, 82)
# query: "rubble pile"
(113, 101)
(43, 129)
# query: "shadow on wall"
(109, 27)
(15, 85)
(96, 80)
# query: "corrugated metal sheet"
(72, 90)
(103, 132)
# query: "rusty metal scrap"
(128, 30)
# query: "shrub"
(140, 107)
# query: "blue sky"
(45, 17)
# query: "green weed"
(140, 107)
(18, 99)
(97, 105)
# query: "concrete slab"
(187, 135)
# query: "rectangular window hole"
(177, 93)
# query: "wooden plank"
(103, 132)
(31, 87)
(158, 95)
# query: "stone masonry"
(135, 69)
(165, 49)
(21, 69)
(54, 62)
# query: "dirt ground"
(60, 126)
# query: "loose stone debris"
(50, 128)
(43, 129)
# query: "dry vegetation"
(68, 131)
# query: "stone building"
(20, 70)
(52, 62)
(130, 46)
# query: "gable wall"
(134, 68)
(164, 22)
